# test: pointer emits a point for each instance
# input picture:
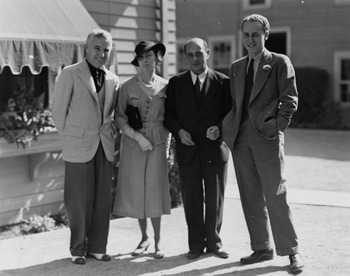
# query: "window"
(222, 53)
(256, 4)
(22, 86)
(24, 100)
(277, 42)
(342, 77)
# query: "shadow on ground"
(145, 266)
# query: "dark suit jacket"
(181, 113)
(273, 101)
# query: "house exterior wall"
(317, 30)
(32, 179)
(132, 21)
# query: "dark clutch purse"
(134, 116)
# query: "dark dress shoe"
(258, 256)
(220, 252)
(78, 260)
(99, 257)
(296, 263)
(193, 254)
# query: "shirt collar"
(93, 70)
(257, 57)
(201, 76)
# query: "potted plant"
(24, 118)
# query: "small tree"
(316, 108)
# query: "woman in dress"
(143, 185)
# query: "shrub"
(174, 177)
(115, 169)
(38, 224)
(316, 108)
(312, 84)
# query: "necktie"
(197, 86)
(249, 81)
(99, 79)
(197, 89)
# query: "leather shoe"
(99, 256)
(296, 263)
(141, 248)
(258, 256)
(220, 252)
(193, 254)
(80, 260)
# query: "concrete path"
(323, 233)
(322, 224)
(319, 192)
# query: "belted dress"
(143, 183)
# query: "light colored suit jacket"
(274, 96)
(77, 113)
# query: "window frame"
(248, 7)
(222, 38)
(338, 57)
(288, 32)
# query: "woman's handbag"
(134, 116)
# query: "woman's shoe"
(159, 254)
(141, 248)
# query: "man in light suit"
(264, 98)
(197, 101)
(83, 105)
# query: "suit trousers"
(87, 193)
(203, 184)
(259, 167)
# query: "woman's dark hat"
(144, 46)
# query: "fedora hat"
(145, 46)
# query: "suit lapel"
(188, 93)
(109, 91)
(86, 78)
(239, 80)
(264, 70)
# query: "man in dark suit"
(264, 98)
(196, 103)
(83, 105)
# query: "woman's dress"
(143, 183)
